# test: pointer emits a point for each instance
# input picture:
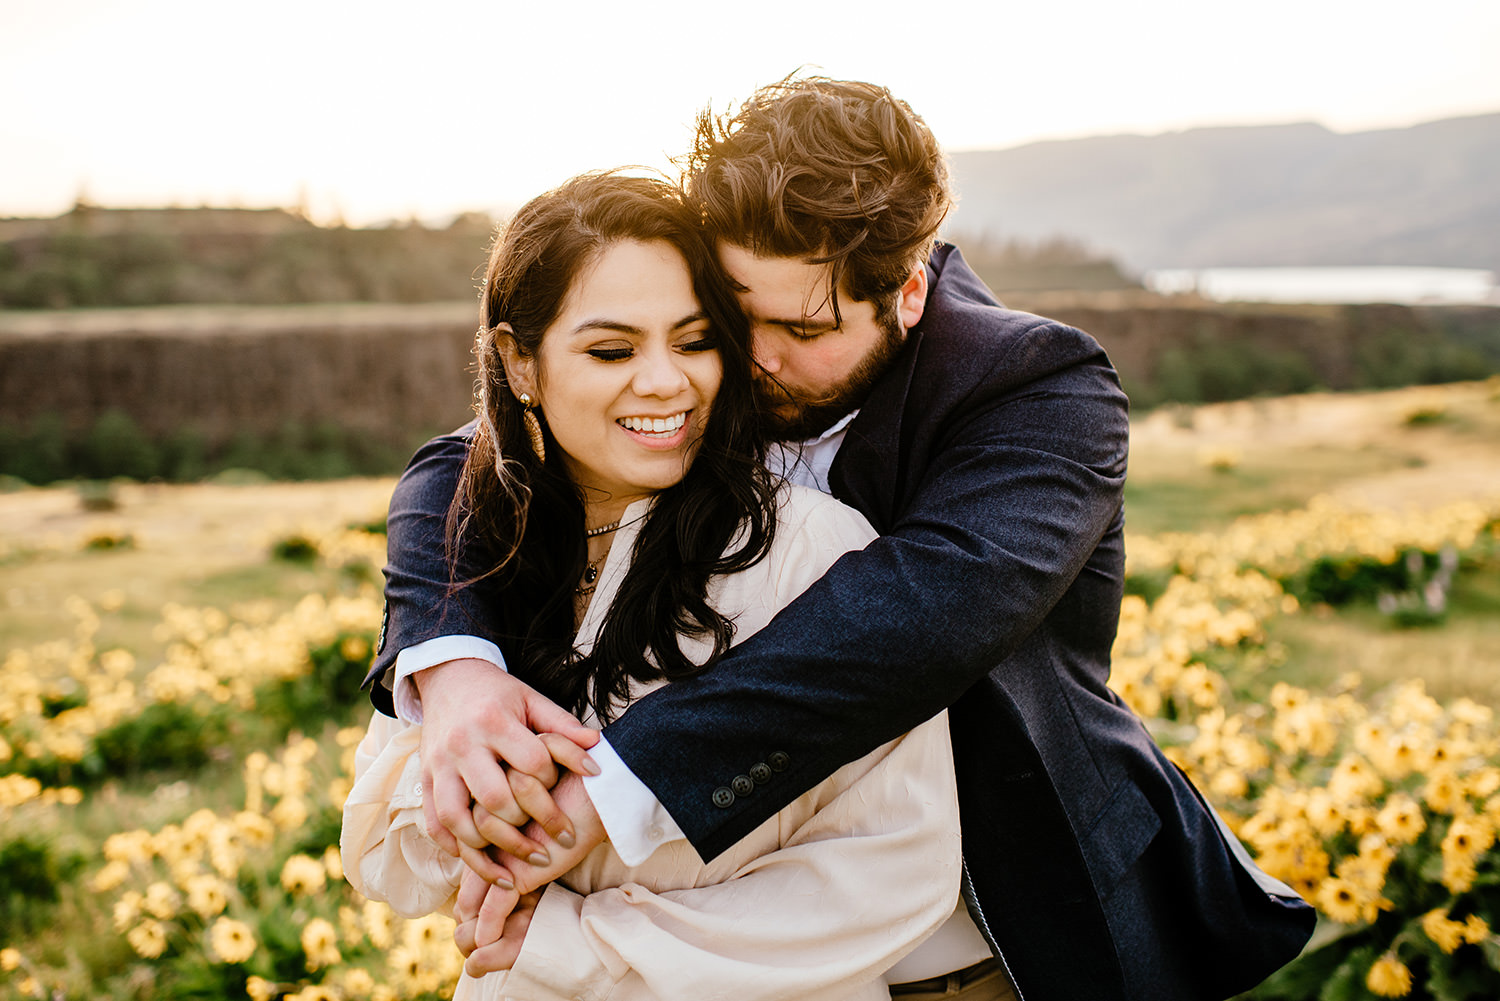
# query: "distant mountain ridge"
(1247, 196)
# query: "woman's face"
(625, 375)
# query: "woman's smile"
(658, 432)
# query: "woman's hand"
(492, 924)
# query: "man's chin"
(794, 422)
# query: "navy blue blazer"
(991, 458)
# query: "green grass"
(1460, 657)
(1173, 490)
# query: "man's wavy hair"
(516, 525)
(834, 172)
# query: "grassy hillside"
(1311, 630)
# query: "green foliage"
(1215, 370)
(328, 690)
(145, 257)
(1343, 580)
(116, 447)
(30, 874)
(295, 548)
(107, 540)
(165, 735)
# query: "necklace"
(594, 533)
(590, 576)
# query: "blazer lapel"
(869, 471)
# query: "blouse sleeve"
(870, 873)
(384, 846)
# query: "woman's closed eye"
(611, 352)
(701, 341)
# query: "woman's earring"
(533, 427)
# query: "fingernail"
(589, 766)
(566, 839)
(504, 884)
(537, 858)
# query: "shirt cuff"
(431, 653)
(634, 819)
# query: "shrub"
(116, 446)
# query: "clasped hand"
(494, 796)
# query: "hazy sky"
(376, 110)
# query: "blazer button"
(760, 772)
(723, 797)
(742, 785)
(778, 760)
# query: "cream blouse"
(813, 905)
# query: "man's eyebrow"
(603, 323)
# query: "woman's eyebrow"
(620, 327)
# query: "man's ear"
(912, 299)
(520, 367)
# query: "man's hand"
(476, 717)
(492, 924)
(586, 833)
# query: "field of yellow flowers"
(169, 806)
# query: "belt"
(958, 978)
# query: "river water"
(1331, 284)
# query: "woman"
(614, 496)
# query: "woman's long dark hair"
(516, 524)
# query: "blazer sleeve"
(801, 923)
(1023, 479)
(419, 604)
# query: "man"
(988, 447)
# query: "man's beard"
(790, 415)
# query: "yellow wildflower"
(128, 847)
(206, 895)
(1354, 779)
(127, 910)
(1389, 977)
(303, 874)
(1476, 929)
(1469, 836)
(110, 877)
(161, 901)
(357, 983)
(1323, 813)
(1447, 933)
(10, 959)
(380, 924)
(231, 941)
(289, 813)
(333, 863)
(1483, 782)
(1228, 783)
(1401, 819)
(1444, 791)
(255, 828)
(1339, 899)
(260, 989)
(148, 938)
(320, 943)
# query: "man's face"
(811, 369)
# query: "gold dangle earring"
(533, 427)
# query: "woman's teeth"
(654, 425)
